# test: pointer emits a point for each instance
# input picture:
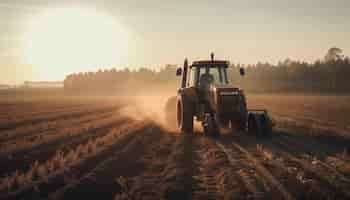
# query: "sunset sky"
(47, 39)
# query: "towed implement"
(207, 96)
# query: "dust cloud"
(154, 108)
(150, 107)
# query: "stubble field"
(61, 147)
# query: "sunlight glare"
(67, 40)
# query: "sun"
(66, 40)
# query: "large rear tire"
(184, 115)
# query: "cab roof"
(210, 63)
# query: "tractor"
(207, 96)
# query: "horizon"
(160, 67)
(35, 43)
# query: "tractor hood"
(227, 99)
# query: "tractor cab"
(203, 74)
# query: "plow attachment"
(259, 122)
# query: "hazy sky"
(161, 32)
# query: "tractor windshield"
(212, 75)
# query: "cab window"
(217, 75)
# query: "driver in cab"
(206, 79)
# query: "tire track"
(77, 170)
(305, 176)
(50, 127)
(23, 144)
(335, 183)
(272, 185)
(67, 113)
(131, 152)
(22, 159)
(20, 115)
(150, 183)
(212, 177)
(311, 126)
(21, 109)
(168, 170)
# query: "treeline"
(124, 81)
(329, 75)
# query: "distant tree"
(334, 54)
(287, 62)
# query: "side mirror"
(179, 72)
(241, 71)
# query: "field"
(59, 147)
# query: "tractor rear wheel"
(184, 114)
